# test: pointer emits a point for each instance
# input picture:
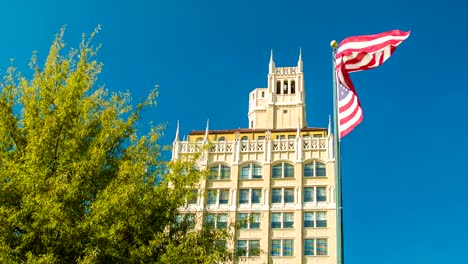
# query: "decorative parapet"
(285, 70)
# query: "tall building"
(274, 180)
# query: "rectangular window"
(244, 196)
(221, 221)
(275, 247)
(282, 247)
(242, 248)
(251, 171)
(309, 247)
(308, 194)
(245, 172)
(220, 172)
(223, 196)
(216, 220)
(254, 248)
(322, 247)
(212, 197)
(248, 221)
(321, 194)
(248, 248)
(282, 220)
(315, 219)
(288, 195)
(315, 169)
(256, 194)
(277, 195)
(277, 172)
(309, 219)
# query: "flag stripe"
(356, 54)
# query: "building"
(275, 179)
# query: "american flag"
(360, 53)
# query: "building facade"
(274, 180)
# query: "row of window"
(253, 195)
(279, 171)
(252, 220)
(283, 247)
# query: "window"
(293, 87)
(285, 87)
(282, 247)
(193, 197)
(315, 247)
(251, 171)
(244, 138)
(250, 196)
(317, 193)
(263, 94)
(220, 172)
(249, 221)
(283, 170)
(216, 220)
(282, 220)
(218, 196)
(315, 169)
(186, 219)
(278, 87)
(315, 219)
(222, 139)
(282, 195)
(248, 248)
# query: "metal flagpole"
(336, 144)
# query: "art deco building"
(275, 179)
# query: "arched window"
(315, 169)
(282, 170)
(220, 172)
(221, 139)
(251, 171)
(199, 139)
(244, 138)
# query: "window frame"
(283, 224)
(252, 220)
(215, 220)
(217, 172)
(315, 222)
(313, 167)
(318, 242)
(282, 244)
(251, 167)
(249, 248)
(312, 194)
(217, 199)
(282, 196)
(286, 171)
(250, 196)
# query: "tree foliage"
(78, 184)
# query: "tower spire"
(176, 139)
(206, 130)
(272, 63)
(299, 61)
(329, 132)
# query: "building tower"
(278, 174)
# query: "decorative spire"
(299, 61)
(272, 63)
(206, 131)
(329, 126)
(298, 133)
(177, 133)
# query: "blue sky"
(403, 177)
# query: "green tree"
(78, 184)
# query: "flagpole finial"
(333, 44)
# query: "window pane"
(254, 248)
(243, 220)
(255, 221)
(190, 220)
(321, 194)
(308, 219)
(322, 247)
(225, 172)
(221, 221)
(276, 220)
(321, 169)
(256, 171)
(288, 247)
(321, 219)
(277, 169)
(275, 247)
(193, 197)
(309, 170)
(212, 196)
(288, 220)
(276, 195)
(244, 196)
(288, 195)
(308, 194)
(209, 220)
(223, 196)
(214, 172)
(245, 172)
(256, 193)
(288, 171)
(309, 247)
(242, 247)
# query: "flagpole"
(336, 144)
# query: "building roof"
(251, 130)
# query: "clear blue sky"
(404, 182)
